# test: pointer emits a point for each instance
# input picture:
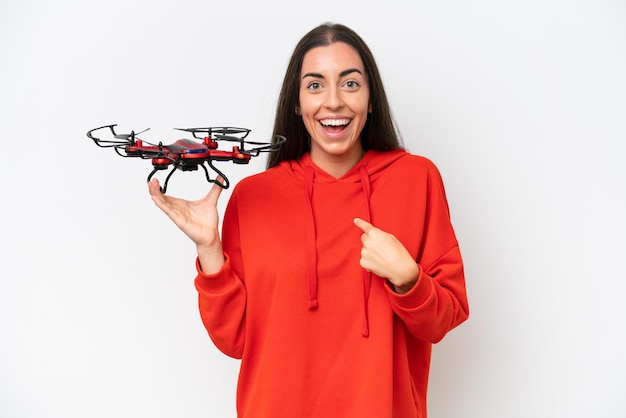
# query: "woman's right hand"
(198, 219)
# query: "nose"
(334, 99)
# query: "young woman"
(338, 267)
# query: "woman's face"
(334, 104)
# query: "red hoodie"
(318, 336)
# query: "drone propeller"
(228, 134)
(131, 135)
(219, 132)
(229, 138)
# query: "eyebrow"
(341, 74)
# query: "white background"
(521, 104)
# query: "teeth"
(335, 122)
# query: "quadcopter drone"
(187, 154)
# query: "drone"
(188, 154)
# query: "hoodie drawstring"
(309, 176)
(310, 239)
(367, 276)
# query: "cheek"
(309, 112)
(360, 104)
(309, 105)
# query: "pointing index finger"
(363, 225)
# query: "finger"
(155, 190)
(363, 225)
(159, 199)
(154, 187)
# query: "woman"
(338, 267)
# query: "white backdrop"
(521, 104)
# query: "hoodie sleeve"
(222, 296)
(438, 301)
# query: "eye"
(314, 86)
(352, 84)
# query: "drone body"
(187, 154)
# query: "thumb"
(214, 194)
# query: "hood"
(373, 162)
(306, 171)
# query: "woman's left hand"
(384, 255)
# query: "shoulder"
(262, 183)
(414, 164)
(261, 178)
(410, 174)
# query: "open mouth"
(334, 124)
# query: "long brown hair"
(379, 132)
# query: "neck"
(337, 165)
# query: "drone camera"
(189, 165)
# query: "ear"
(298, 112)
(369, 108)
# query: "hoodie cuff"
(216, 282)
(416, 296)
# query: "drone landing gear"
(224, 184)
